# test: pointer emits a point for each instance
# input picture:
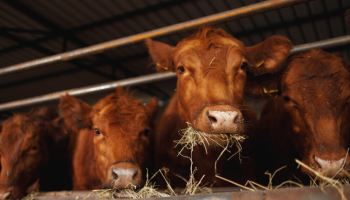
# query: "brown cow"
(211, 68)
(310, 120)
(32, 154)
(111, 141)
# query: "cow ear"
(161, 54)
(267, 56)
(74, 112)
(45, 113)
(151, 106)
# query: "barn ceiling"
(35, 29)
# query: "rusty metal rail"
(98, 48)
(333, 42)
(311, 193)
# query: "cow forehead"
(316, 65)
(213, 58)
(121, 124)
(16, 127)
(317, 73)
(319, 90)
(120, 117)
(205, 45)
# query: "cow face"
(120, 129)
(23, 152)
(316, 92)
(211, 68)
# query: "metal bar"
(338, 41)
(98, 48)
(39, 18)
(311, 193)
(88, 89)
(333, 42)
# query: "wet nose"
(5, 196)
(330, 167)
(224, 119)
(126, 176)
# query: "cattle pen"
(45, 55)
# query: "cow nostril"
(134, 176)
(115, 174)
(7, 195)
(236, 119)
(211, 118)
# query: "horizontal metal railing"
(98, 48)
(333, 42)
(87, 90)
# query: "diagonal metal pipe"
(333, 42)
(101, 47)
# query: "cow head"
(119, 126)
(211, 68)
(316, 94)
(23, 153)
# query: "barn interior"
(30, 30)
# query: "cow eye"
(146, 132)
(244, 65)
(97, 131)
(346, 105)
(291, 102)
(33, 149)
(180, 69)
(286, 98)
(348, 101)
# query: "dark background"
(31, 29)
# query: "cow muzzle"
(125, 175)
(220, 119)
(331, 168)
(7, 193)
(5, 196)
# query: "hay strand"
(235, 183)
(254, 186)
(191, 138)
(325, 180)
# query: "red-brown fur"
(309, 119)
(122, 121)
(211, 68)
(32, 152)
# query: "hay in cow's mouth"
(323, 181)
(320, 181)
(191, 138)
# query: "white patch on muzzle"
(124, 172)
(330, 167)
(223, 118)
